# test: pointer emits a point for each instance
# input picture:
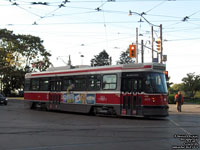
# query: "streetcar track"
(87, 144)
(38, 128)
(46, 131)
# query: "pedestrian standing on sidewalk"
(179, 100)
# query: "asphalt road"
(25, 129)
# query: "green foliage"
(124, 58)
(191, 84)
(175, 88)
(197, 95)
(102, 59)
(193, 101)
(171, 98)
(20, 54)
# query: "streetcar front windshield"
(155, 83)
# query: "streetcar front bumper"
(155, 111)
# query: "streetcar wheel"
(5, 103)
(94, 111)
(33, 105)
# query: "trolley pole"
(142, 49)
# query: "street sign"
(155, 59)
(164, 58)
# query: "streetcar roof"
(85, 70)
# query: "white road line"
(187, 132)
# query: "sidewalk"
(186, 109)
(15, 98)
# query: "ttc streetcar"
(122, 90)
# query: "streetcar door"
(54, 95)
(130, 96)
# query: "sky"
(87, 27)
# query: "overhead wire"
(30, 12)
(184, 19)
(156, 6)
(184, 39)
(145, 13)
(50, 14)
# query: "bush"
(197, 95)
(192, 101)
(171, 99)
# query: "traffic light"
(158, 42)
(166, 75)
(132, 51)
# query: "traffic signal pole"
(161, 44)
(137, 45)
(152, 41)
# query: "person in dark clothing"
(179, 100)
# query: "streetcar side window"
(94, 82)
(80, 84)
(35, 84)
(58, 85)
(27, 85)
(66, 83)
(44, 84)
(109, 82)
(55, 85)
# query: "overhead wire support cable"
(45, 16)
(18, 5)
(142, 16)
(156, 6)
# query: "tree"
(124, 58)
(102, 59)
(175, 88)
(191, 84)
(20, 54)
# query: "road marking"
(187, 132)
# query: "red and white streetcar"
(122, 90)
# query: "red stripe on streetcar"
(78, 71)
(147, 66)
(90, 70)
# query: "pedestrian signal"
(132, 51)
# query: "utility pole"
(161, 44)
(152, 40)
(142, 49)
(137, 45)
